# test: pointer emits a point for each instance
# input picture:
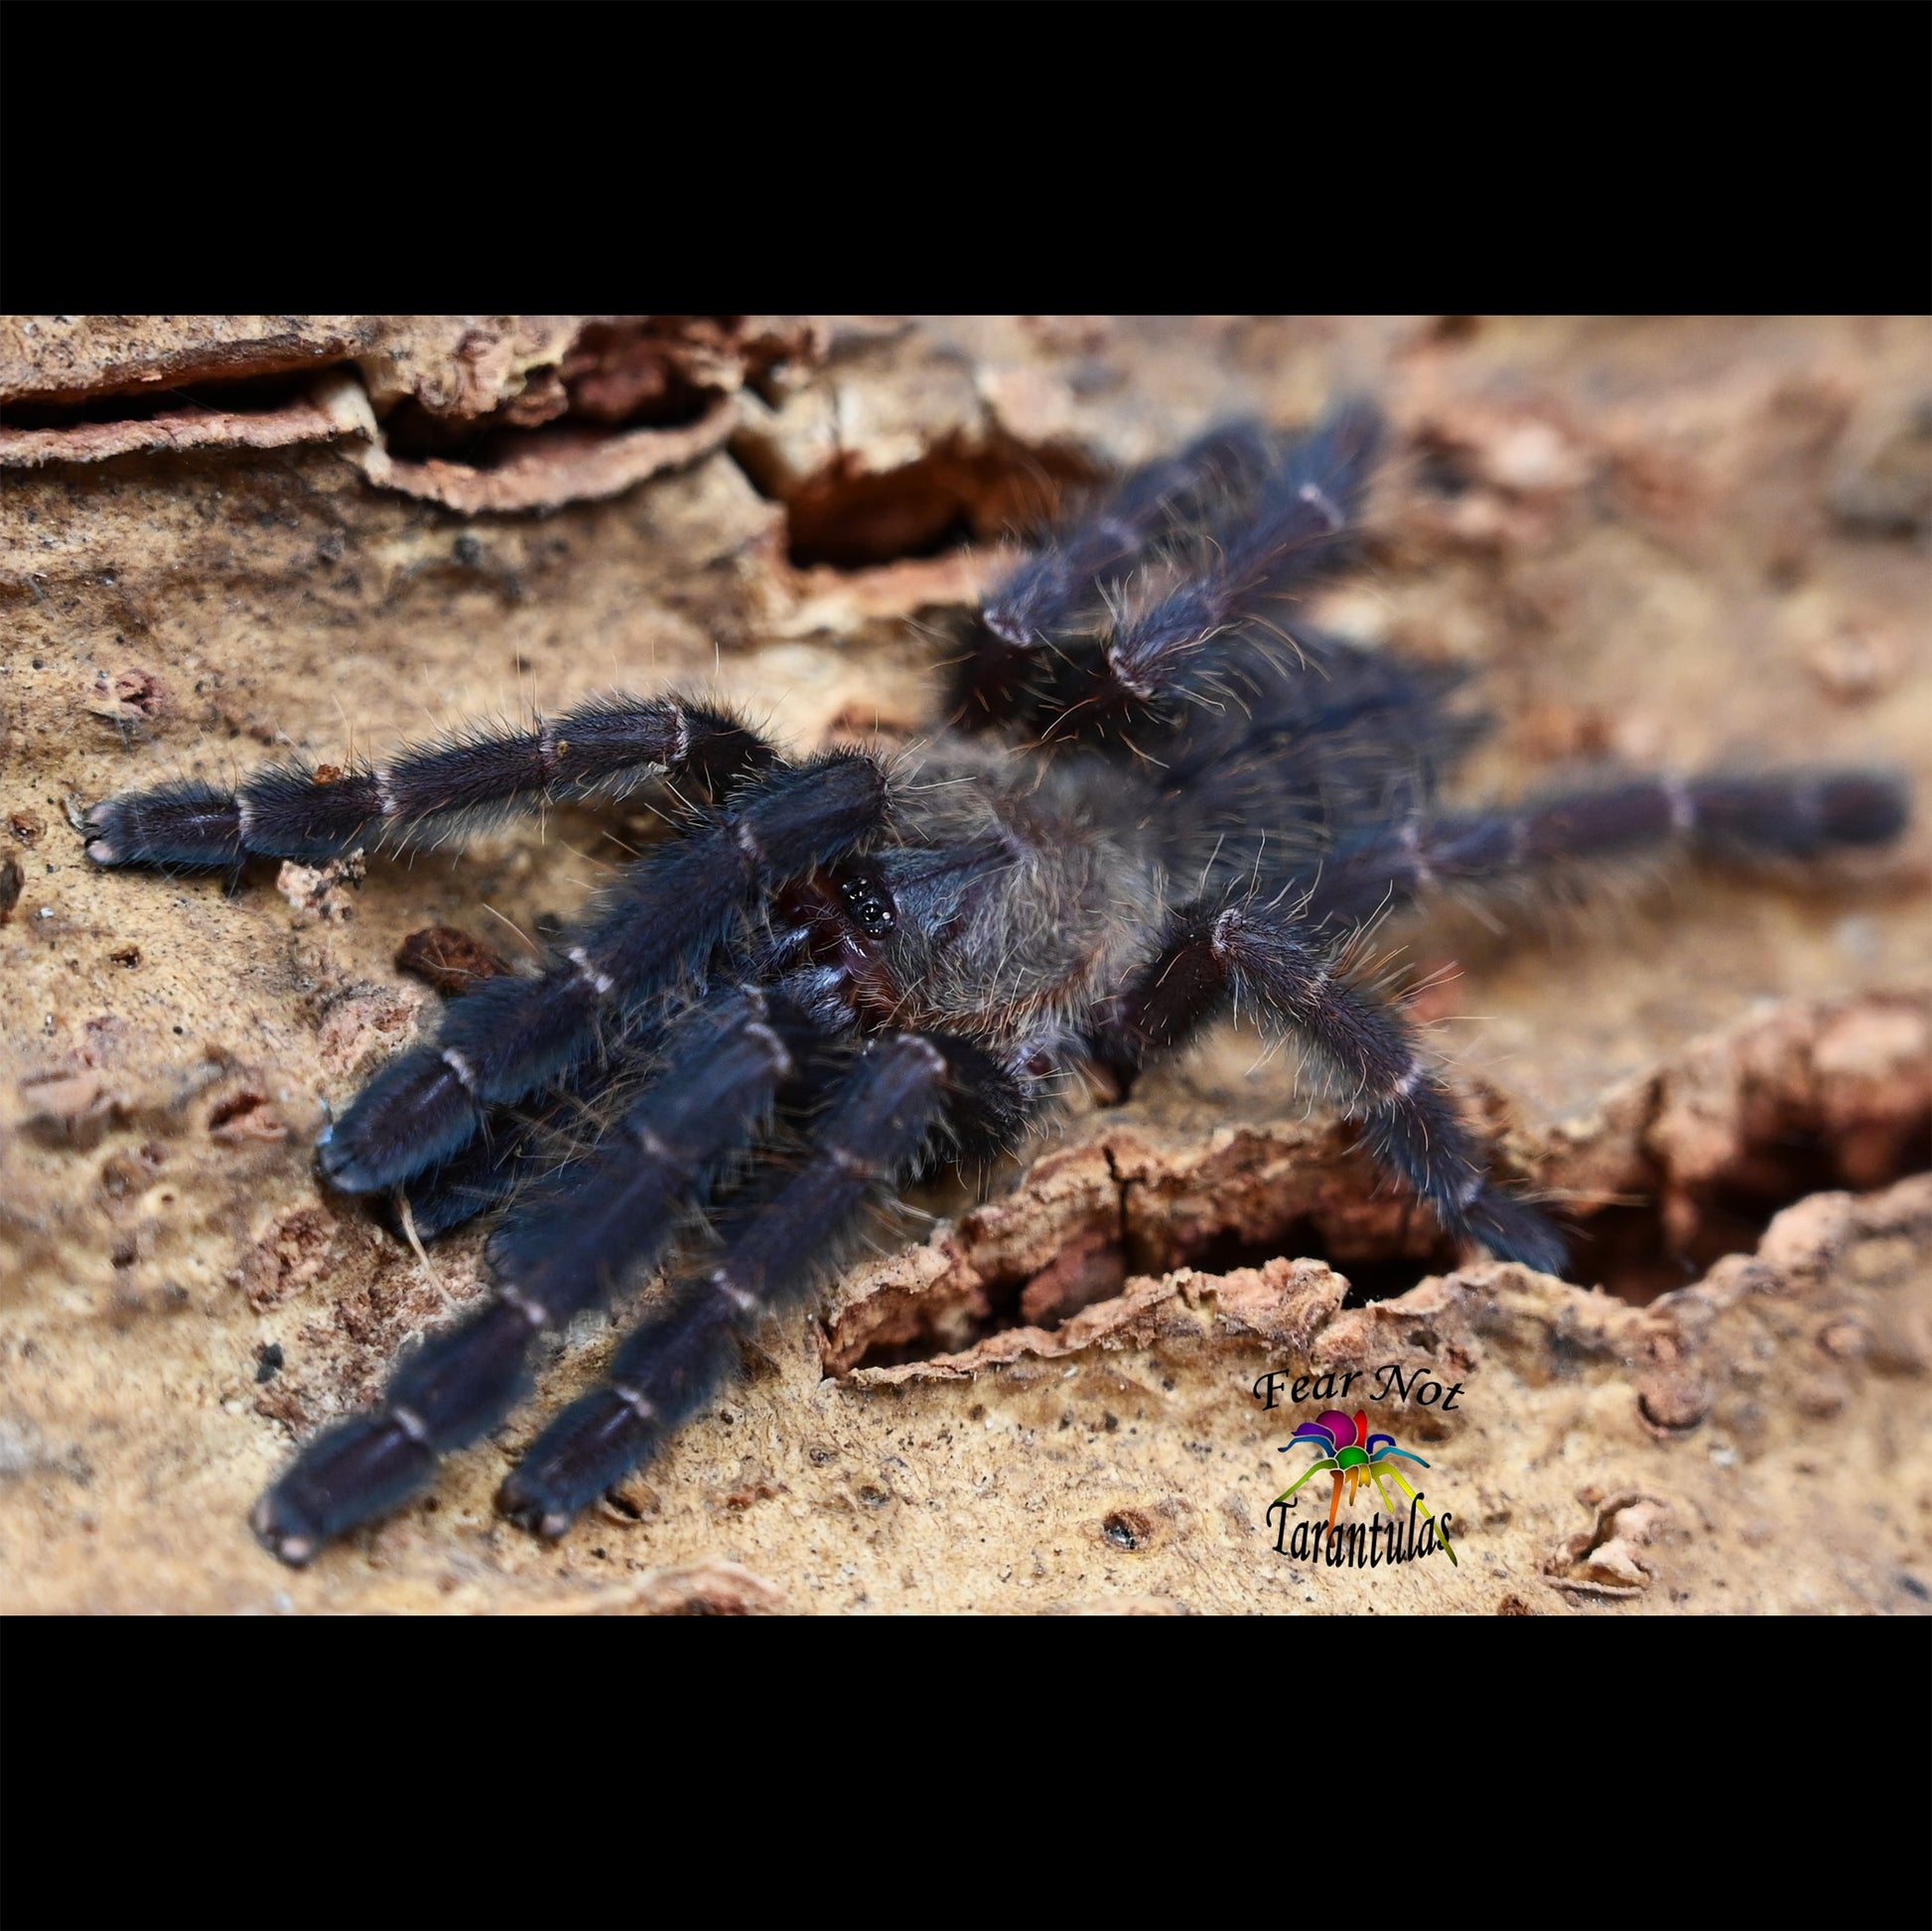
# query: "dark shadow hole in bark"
(1627, 1248)
(1094, 1268)
(1371, 1277)
(615, 376)
(956, 494)
(659, 373)
(245, 395)
(1633, 1249)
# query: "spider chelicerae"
(1159, 794)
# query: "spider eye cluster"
(868, 906)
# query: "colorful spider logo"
(1352, 1454)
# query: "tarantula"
(1159, 794)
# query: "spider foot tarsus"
(658, 1381)
(1797, 814)
(456, 1386)
(184, 823)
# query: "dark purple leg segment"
(486, 1170)
(187, 823)
(429, 794)
(1287, 518)
(567, 1254)
(663, 922)
(1777, 815)
(1303, 529)
(1055, 588)
(1255, 956)
(671, 1365)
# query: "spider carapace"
(1159, 793)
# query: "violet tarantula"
(1159, 794)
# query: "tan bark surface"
(1665, 543)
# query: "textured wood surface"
(1664, 543)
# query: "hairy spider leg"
(1322, 746)
(1056, 588)
(661, 923)
(874, 1133)
(519, 1146)
(519, 1143)
(1303, 530)
(1779, 814)
(1297, 529)
(1259, 954)
(1055, 594)
(489, 1168)
(557, 1258)
(457, 787)
(604, 747)
(596, 1220)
